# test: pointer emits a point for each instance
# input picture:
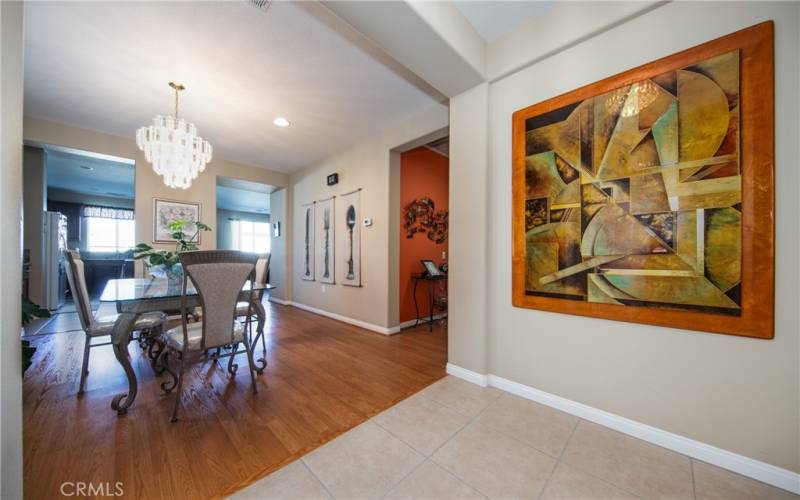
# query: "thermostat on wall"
(367, 222)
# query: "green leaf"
(31, 311)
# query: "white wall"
(11, 42)
(739, 394)
(366, 166)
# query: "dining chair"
(262, 278)
(218, 277)
(150, 324)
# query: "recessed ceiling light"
(281, 122)
(86, 167)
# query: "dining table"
(136, 296)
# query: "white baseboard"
(468, 375)
(745, 466)
(345, 319)
(280, 301)
(422, 321)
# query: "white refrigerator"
(55, 260)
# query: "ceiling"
(88, 175)
(242, 200)
(494, 18)
(105, 66)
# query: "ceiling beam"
(432, 39)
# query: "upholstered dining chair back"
(76, 277)
(262, 268)
(218, 276)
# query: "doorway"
(243, 215)
(423, 252)
(75, 200)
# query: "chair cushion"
(104, 325)
(194, 331)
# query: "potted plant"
(30, 311)
(166, 263)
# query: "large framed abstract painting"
(648, 196)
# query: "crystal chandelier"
(173, 147)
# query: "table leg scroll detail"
(120, 338)
(261, 314)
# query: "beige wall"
(469, 141)
(148, 184)
(366, 166)
(278, 265)
(738, 394)
(34, 185)
(11, 43)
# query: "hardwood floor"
(324, 377)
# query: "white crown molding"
(741, 464)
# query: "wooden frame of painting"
(179, 209)
(648, 197)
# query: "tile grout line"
(583, 471)
(395, 485)
(558, 459)
(313, 474)
(469, 422)
(566, 443)
(429, 458)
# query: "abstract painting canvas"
(634, 196)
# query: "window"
(249, 236)
(109, 230)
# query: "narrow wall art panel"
(326, 224)
(307, 264)
(350, 244)
(648, 196)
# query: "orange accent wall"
(422, 173)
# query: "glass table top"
(131, 289)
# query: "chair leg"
(178, 392)
(251, 365)
(85, 365)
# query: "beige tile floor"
(457, 440)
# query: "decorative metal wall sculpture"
(350, 251)
(632, 195)
(421, 217)
(326, 225)
(307, 265)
